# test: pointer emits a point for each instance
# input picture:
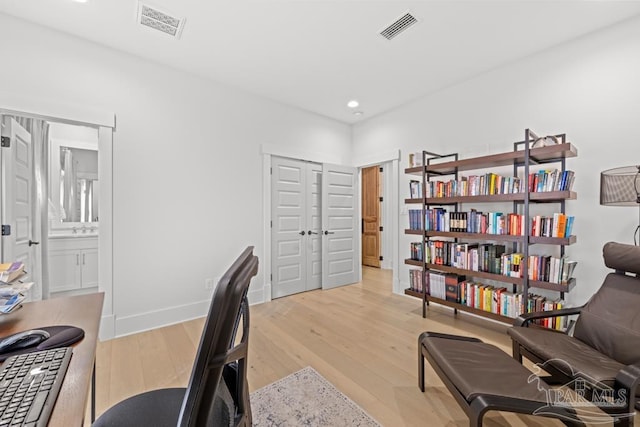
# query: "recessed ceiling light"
(358, 113)
(80, 1)
(353, 103)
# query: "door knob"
(328, 232)
(311, 232)
(31, 243)
(301, 233)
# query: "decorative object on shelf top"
(544, 141)
(621, 187)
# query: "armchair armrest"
(525, 319)
(629, 378)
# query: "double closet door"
(313, 226)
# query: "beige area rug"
(306, 398)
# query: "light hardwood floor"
(361, 337)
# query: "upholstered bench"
(481, 378)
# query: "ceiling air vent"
(158, 20)
(401, 24)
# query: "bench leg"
(516, 351)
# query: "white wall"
(588, 89)
(187, 164)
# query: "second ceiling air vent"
(401, 24)
(162, 21)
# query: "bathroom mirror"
(79, 185)
(74, 189)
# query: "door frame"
(391, 157)
(267, 151)
(105, 121)
(391, 179)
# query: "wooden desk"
(83, 311)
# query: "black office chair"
(217, 394)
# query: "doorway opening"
(50, 198)
(313, 226)
(375, 217)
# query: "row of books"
(551, 180)
(416, 251)
(551, 269)
(439, 219)
(492, 258)
(557, 225)
(497, 300)
(492, 184)
(473, 185)
(486, 256)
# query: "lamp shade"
(620, 186)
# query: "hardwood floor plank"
(361, 337)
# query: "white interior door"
(340, 246)
(296, 239)
(17, 170)
(314, 226)
(289, 266)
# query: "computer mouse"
(23, 340)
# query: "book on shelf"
(415, 280)
(415, 189)
(416, 251)
(415, 159)
(11, 271)
(452, 287)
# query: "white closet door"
(340, 247)
(288, 206)
(17, 170)
(314, 226)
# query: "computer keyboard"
(29, 386)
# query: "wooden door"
(17, 197)
(371, 216)
(340, 250)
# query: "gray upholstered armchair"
(604, 350)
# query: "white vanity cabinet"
(73, 263)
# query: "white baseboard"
(107, 328)
(128, 325)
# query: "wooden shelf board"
(496, 237)
(559, 287)
(553, 240)
(413, 262)
(413, 293)
(475, 236)
(543, 196)
(476, 311)
(461, 307)
(413, 201)
(500, 278)
(548, 153)
(410, 231)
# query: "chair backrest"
(610, 321)
(218, 347)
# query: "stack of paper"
(11, 271)
(7, 305)
(12, 290)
